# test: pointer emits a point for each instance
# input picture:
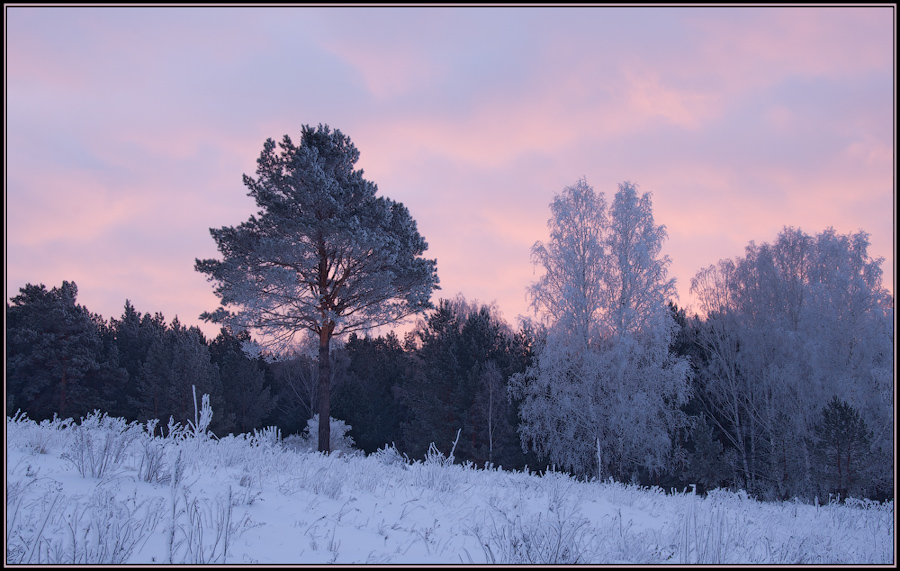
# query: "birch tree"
(788, 327)
(604, 391)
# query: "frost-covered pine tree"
(324, 254)
(604, 390)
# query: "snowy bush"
(209, 531)
(341, 441)
(706, 534)
(99, 444)
(46, 526)
(269, 437)
(36, 438)
(200, 427)
(390, 456)
(561, 537)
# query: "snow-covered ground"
(107, 492)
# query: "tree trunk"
(62, 395)
(325, 389)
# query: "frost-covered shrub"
(341, 441)
(111, 529)
(99, 444)
(49, 527)
(560, 535)
(390, 456)
(706, 533)
(269, 437)
(319, 474)
(153, 465)
(200, 426)
(152, 453)
(231, 450)
(556, 540)
(209, 531)
(33, 437)
(295, 443)
(438, 472)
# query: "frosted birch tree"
(604, 391)
(788, 327)
(570, 293)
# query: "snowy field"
(108, 492)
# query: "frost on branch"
(603, 386)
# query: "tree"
(707, 465)
(134, 336)
(246, 396)
(177, 364)
(570, 293)
(324, 253)
(368, 399)
(462, 355)
(56, 362)
(842, 447)
(604, 389)
(637, 283)
(787, 326)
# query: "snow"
(257, 499)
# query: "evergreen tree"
(707, 465)
(110, 380)
(432, 392)
(463, 355)
(134, 335)
(842, 448)
(178, 365)
(323, 255)
(55, 356)
(368, 400)
(247, 398)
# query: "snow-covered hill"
(108, 492)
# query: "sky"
(128, 131)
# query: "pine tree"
(134, 335)
(56, 361)
(707, 466)
(178, 364)
(324, 253)
(247, 398)
(462, 356)
(368, 400)
(433, 393)
(842, 447)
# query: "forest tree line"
(791, 376)
(779, 383)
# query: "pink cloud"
(753, 47)
(473, 119)
(649, 97)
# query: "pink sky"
(128, 130)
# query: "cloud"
(128, 130)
